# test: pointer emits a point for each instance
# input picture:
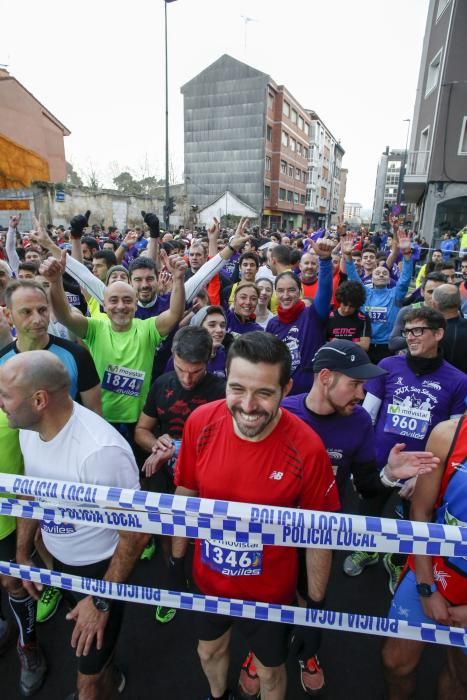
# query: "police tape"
(266, 612)
(239, 522)
(58, 519)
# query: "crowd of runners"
(249, 366)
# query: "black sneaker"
(33, 668)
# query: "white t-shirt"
(87, 450)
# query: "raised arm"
(210, 268)
(402, 286)
(167, 321)
(152, 222)
(53, 270)
(213, 235)
(322, 303)
(10, 244)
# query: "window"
(270, 100)
(298, 174)
(299, 148)
(292, 144)
(442, 4)
(306, 153)
(289, 196)
(463, 139)
(286, 109)
(282, 194)
(304, 177)
(434, 70)
(290, 170)
(283, 167)
(300, 123)
(307, 129)
(267, 162)
(267, 191)
(296, 198)
(285, 138)
(269, 133)
(302, 199)
(294, 116)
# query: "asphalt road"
(161, 662)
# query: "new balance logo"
(277, 476)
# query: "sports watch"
(101, 604)
(425, 590)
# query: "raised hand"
(152, 222)
(79, 223)
(404, 242)
(14, 220)
(39, 234)
(347, 244)
(174, 264)
(130, 238)
(323, 247)
(240, 237)
(53, 269)
(214, 228)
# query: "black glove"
(78, 224)
(152, 222)
(177, 577)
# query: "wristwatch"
(425, 590)
(101, 604)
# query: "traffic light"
(171, 206)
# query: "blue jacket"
(382, 305)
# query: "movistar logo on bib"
(123, 380)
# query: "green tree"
(72, 177)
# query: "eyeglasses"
(416, 332)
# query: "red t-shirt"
(289, 468)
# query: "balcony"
(416, 174)
(417, 164)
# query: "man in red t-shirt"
(248, 449)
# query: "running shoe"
(357, 561)
(149, 551)
(311, 675)
(394, 571)
(33, 668)
(48, 603)
(248, 682)
(164, 615)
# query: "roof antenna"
(246, 20)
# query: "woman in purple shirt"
(300, 327)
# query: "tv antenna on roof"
(246, 20)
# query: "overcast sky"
(99, 67)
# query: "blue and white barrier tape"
(193, 527)
(270, 612)
(272, 524)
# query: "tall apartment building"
(352, 210)
(246, 135)
(436, 178)
(389, 188)
(324, 175)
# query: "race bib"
(294, 349)
(377, 314)
(122, 380)
(407, 421)
(53, 528)
(232, 558)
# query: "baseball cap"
(348, 358)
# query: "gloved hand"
(152, 222)
(177, 577)
(78, 224)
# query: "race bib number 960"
(407, 421)
(232, 559)
(123, 380)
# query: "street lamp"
(403, 169)
(167, 194)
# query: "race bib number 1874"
(123, 380)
